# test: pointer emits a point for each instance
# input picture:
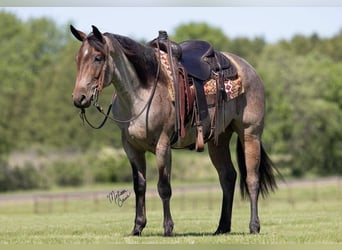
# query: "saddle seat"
(200, 59)
(194, 58)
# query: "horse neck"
(135, 71)
(125, 79)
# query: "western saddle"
(193, 63)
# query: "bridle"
(84, 117)
(99, 88)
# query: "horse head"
(93, 67)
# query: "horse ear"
(78, 34)
(98, 34)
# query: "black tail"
(266, 171)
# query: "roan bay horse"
(146, 116)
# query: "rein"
(83, 115)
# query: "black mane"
(141, 56)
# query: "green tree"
(37, 60)
(25, 52)
(244, 47)
(202, 31)
(10, 73)
(303, 117)
(248, 49)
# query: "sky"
(270, 23)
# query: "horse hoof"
(254, 229)
(136, 232)
(221, 231)
(168, 234)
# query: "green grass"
(308, 214)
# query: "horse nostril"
(81, 101)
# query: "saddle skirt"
(233, 88)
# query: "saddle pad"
(233, 88)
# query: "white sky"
(272, 23)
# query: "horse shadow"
(196, 234)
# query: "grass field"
(310, 213)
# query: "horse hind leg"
(249, 162)
(220, 156)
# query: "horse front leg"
(138, 164)
(163, 154)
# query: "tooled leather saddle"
(193, 63)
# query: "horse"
(145, 113)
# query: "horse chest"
(137, 132)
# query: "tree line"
(302, 76)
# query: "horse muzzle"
(82, 101)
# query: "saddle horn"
(98, 34)
(79, 35)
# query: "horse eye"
(98, 58)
